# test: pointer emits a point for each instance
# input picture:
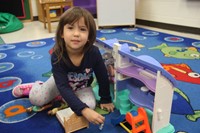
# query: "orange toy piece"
(140, 122)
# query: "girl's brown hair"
(70, 16)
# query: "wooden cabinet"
(39, 9)
(51, 10)
(55, 11)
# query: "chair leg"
(44, 16)
(48, 17)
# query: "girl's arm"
(102, 78)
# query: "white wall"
(34, 8)
(178, 12)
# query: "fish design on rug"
(182, 72)
(178, 52)
(181, 105)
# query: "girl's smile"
(75, 41)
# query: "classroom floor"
(35, 30)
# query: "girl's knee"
(86, 95)
(38, 95)
(42, 94)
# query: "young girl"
(74, 60)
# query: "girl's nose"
(76, 32)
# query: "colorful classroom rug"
(30, 61)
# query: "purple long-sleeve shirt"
(70, 78)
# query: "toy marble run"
(159, 84)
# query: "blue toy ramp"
(141, 99)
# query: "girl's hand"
(108, 106)
(92, 116)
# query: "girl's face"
(75, 35)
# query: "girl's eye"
(83, 29)
(70, 27)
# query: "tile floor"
(35, 30)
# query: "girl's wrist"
(84, 111)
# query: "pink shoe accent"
(23, 89)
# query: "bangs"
(71, 17)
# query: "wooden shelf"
(40, 15)
(51, 10)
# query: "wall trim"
(168, 26)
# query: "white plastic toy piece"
(144, 89)
(101, 126)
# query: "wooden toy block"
(75, 123)
(70, 121)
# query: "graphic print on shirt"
(79, 80)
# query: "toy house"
(159, 84)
